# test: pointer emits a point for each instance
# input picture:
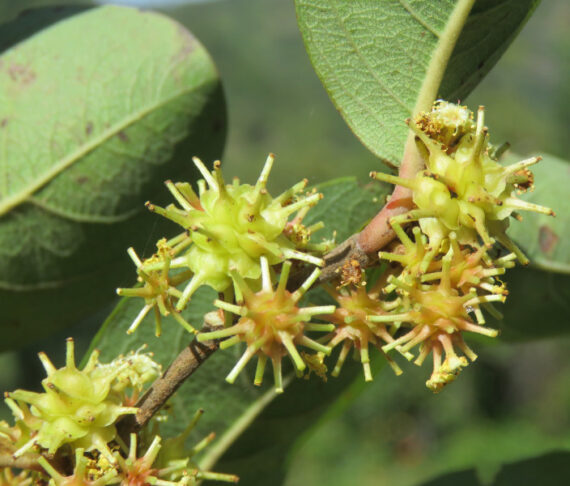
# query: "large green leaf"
(382, 61)
(230, 409)
(95, 112)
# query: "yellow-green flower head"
(15, 437)
(463, 189)
(414, 256)
(167, 463)
(472, 269)
(353, 329)
(446, 123)
(232, 225)
(78, 407)
(271, 323)
(85, 473)
(136, 369)
(159, 287)
(437, 314)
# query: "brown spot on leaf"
(89, 128)
(82, 179)
(21, 74)
(547, 239)
(123, 137)
(3, 122)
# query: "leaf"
(536, 307)
(230, 409)
(381, 62)
(540, 295)
(465, 478)
(542, 237)
(93, 117)
(31, 22)
(547, 470)
(262, 454)
(10, 10)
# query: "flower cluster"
(22, 478)
(440, 274)
(70, 429)
(78, 407)
(463, 189)
(166, 463)
(435, 281)
(227, 228)
(447, 273)
(353, 328)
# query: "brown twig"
(184, 365)
(346, 253)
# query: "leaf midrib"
(14, 200)
(441, 55)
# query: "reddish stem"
(378, 233)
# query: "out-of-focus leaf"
(95, 112)
(382, 61)
(10, 10)
(230, 409)
(31, 22)
(262, 454)
(537, 307)
(548, 470)
(539, 296)
(544, 238)
(464, 478)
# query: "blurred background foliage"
(515, 401)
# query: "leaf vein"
(418, 18)
(365, 61)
